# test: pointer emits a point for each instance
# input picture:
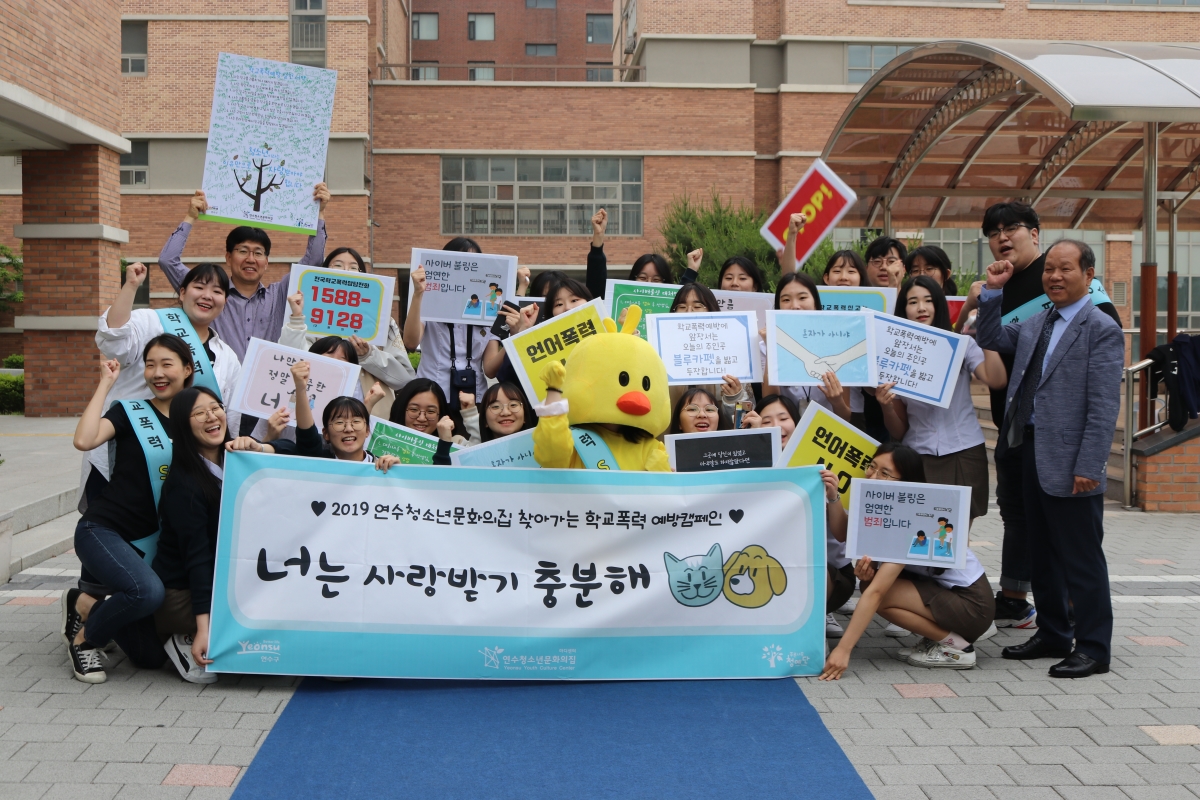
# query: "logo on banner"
(773, 653)
(262, 647)
(797, 659)
(750, 578)
(491, 656)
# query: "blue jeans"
(136, 593)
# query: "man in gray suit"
(1061, 411)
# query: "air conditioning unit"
(630, 44)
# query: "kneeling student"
(950, 608)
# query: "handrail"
(1131, 434)
(639, 69)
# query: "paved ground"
(38, 458)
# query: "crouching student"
(950, 608)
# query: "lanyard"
(175, 321)
(593, 451)
(453, 355)
(156, 446)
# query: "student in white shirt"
(950, 608)
(949, 440)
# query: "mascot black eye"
(646, 383)
(623, 378)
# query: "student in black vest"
(1013, 235)
(117, 535)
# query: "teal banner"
(332, 568)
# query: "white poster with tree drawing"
(267, 141)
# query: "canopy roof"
(946, 129)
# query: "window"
(481, 27)
(308, 32)
(864, 60)
(599, 28)
(135, 165)
(481, 71)
(600, 72)
(541, 3)
(425, 73)
(541, 49)
(425, 26)
(536, 196)
(133, 48)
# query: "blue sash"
(156, 445)
(175, 321)
(1042, 302)
(593, 451)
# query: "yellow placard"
(529, 351)
(825, 439)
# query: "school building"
(507, 122)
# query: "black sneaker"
(71, 621)
(1014, 613)
(85, 660)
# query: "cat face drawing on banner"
(696, 580)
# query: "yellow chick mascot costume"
(612, 379)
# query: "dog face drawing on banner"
(753, 577)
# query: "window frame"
(472, 27)
(421, 71)
(416, 29)
(536, 46)
(849, 69)
(308, 56)
(137, 160)
(611, 25)
(473, 66)
(128, 59)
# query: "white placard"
(345, 304)
(268, 136)
(512, 451)
(466, 288)
(804, 345)
(266, 384)
(704, 347)
(758, 302)
(924, 524)
(858, 298)
(924, 362)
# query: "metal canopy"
(948, 128)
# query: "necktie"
(1033, 375)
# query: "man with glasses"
(1013, 234)
(885, 261)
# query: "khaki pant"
(175, 615)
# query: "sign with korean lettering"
(714, 450)
(261, 166)
(822, 197)
(803, 345)
(327, 567)
(652, 298)
(345, 304)
(826, 440)
(267, 385)
(924, 362)
(858, 298)
(514, 450)
(704, 347)
(758, 302)
(554, 338)
(411, 447)
(464, 287)
(909, 523)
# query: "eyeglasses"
(1007, 230)
(873, 470)
(246, 252)
(923, 269)
(217, 412)
(695, 409)
(496, 408)
(891, 261)
(418, 412)
(352, 424)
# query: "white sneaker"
(179, 650)
(989, 633)
(848, 606)
(833, 628)
(941, 655)
(895, 631)
(904, 652)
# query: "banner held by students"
(411, 447)
(267, 385)
(345, 304)
(803, 345)
(858, 298)
(924, 362)
(824, 439)
(328, 567)
(822, 197)
(909, 523)
(514, 450)
(652, 298)
(554, 338)
(260, 168)
(704, 347)
(715, 450)
(464, 287)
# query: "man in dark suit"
(1061, 410)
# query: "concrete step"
(38, 512)
(43, 542)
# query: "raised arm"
(304, 416)
(787, 256)
(990, 331)
(93, 430)
(414, 329)
(314, 253)
(597, 261)
(122, 308)
(170, 260)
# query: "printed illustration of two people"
(942, 548)
(476, 308)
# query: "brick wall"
(76, 186)
(696, 16)
(1170, 480)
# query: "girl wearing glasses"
(950, 608)
(506, 410)
(931, 261)
(696, 411)
(422, 404)
(116, 535)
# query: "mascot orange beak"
(634, 403)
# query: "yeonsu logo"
(255, 648)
